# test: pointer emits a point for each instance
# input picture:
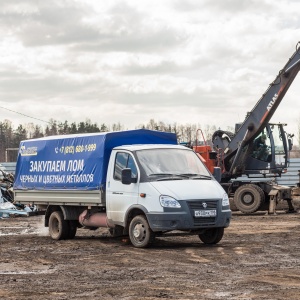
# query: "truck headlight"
(225, 200)
(167, 201)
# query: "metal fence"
(291, 178)
(9, 167)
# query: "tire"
(59, 228)
(248, 198)
(212, 235)
(72, 229)
(262, 195)
(140, 233)
(232, 205)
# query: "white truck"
(137, 183)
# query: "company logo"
(28, 151)
(204, 204)
(271, 103)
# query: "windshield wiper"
(195, 176)
(183, 175)
(160, 174)
(202, 177)
(166, 176)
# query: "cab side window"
(124, 160)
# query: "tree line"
(10, 138)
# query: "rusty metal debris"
(7, 206)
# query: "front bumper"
(185, 220)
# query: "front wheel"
(212, 235)
(140, 233)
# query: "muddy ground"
(258, 258)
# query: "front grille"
(211, 204)
(203, 205)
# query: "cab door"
(119, 197)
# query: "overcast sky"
(183, 61)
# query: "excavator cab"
(269, 152)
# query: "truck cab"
(169, 187)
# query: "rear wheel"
(212, 235)
(72, 229)
(59, 228)
(140, 233)
(248, 198)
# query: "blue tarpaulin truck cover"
(75, 162)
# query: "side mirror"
(126, 177)
(217, 174)
(290, 142)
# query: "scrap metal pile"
(7, 206)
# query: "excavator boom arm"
(265, 108)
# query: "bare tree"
(117, 127)
(30, 129)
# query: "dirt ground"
(258, 258)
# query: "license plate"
(205, 213)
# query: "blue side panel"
(72, 163)
(75, 162)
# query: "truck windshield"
(172, 162)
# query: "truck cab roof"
(149, 146)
